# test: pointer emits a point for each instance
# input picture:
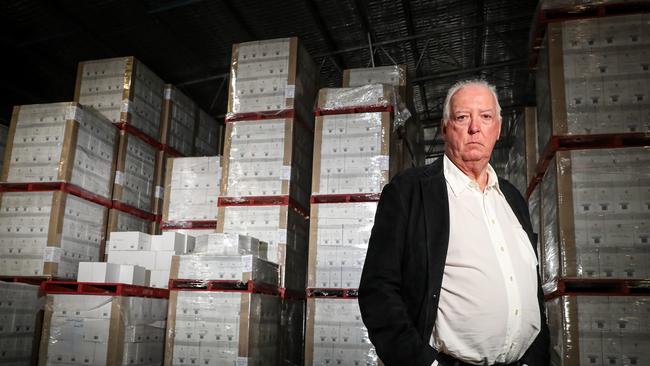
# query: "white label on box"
(52, 254)
(285, 172)
(126, 106)
(247, 263)
(168, 93)
(73, 113)
(290, 91)
(159, 192)
(282, 235)
(119, 178)
(242, 361)
(383, 161)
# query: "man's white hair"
(446, 110)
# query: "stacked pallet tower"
(590, 191)
(354, 157)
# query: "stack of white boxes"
(3, 143)
(152, 252)
(351, 158)
(128, 93)
(49, 233)
(339, 239)
(124, 90)
(179, 121)
(61, 142)
(122, 221)
(208, 135)
(338, 334)
(595, 214)
(602, 330)
(192, 189)
(594, 204)
(222, 328)
(20, 306)
(103, 330)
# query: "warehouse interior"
(195, 182)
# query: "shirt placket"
(505, 264)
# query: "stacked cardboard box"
(223, 327)
(192, 188)
(124, 90)
(21, 313)
(593, 205)
(103, 330)
(61, 142)
(132, 96)
(271, 76)
(208, 135)
(336, 334)
(179, 119)
(151, 252)
(600, 330)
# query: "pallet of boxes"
(54, 201)
(224, 304)
(591, 193)
(266, 166)
(354, 157)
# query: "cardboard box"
(224, 267)
(72, 230)
(208, 135)
(369, 95)
(191, 189)
(282, 228)
(270, 76)
(587, 208)
(61, 142)
(20, 322)
(244, 329)
(267, 158)
(124, 90)
(326, 337)
(353, 153)
(102, 330)
(135, 175)
(178, 121)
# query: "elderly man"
(450, 277)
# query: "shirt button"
(517, 312)
(510, 278)
(492, 220)
(503, 250)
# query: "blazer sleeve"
(384, 312)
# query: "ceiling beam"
(361, 14)
(430, 34)
(171, 5)
(240, 20)
(322, 29)
(464, 71)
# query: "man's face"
(473, 127)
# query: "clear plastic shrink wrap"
(192, 189)
(351, 153)
(271, 77)
(61, 142)
(49, 233)
(593, 77)
(178, 121)
(222, 328)
(21, 307)
(124, 90)
(599, 330)
(338, 340)
(595, 210)
(103, 330)
(270, 157)
(339, 237)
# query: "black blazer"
(402, 275)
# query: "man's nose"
(474, 124)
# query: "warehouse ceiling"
(188, 43)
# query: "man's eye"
(487, 116)
(460, 118)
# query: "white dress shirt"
(488, 302)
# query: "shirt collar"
(458, 181)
